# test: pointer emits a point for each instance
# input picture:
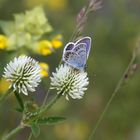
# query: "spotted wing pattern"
(76, 54)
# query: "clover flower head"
(69, 82)
(23, 73)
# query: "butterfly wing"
(87, 41)
(80, 49)
(74, 60)
(68, 47)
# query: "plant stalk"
(19, 99)
(119, 85)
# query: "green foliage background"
(114, 30)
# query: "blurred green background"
(114, 30)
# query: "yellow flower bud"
(3, 42)
(4, 85)
(57, 41)
(44, 69)
(45, 47)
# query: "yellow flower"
(57, 41)
(4, 85)
(45, 47)
(45, 69)
(3, 42)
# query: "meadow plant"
(24, 74)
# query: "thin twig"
(83, 16)
(46, 97)
(118, 87)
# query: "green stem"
(13, 132)
(49, 105)
(45, 108)
(19, 99)
(119, 85)
(45, 99)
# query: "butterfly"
(76, 54)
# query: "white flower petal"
(24, 74)
(69, 82)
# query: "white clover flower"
(23, 73)
(69, 81)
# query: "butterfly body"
(76, 54)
